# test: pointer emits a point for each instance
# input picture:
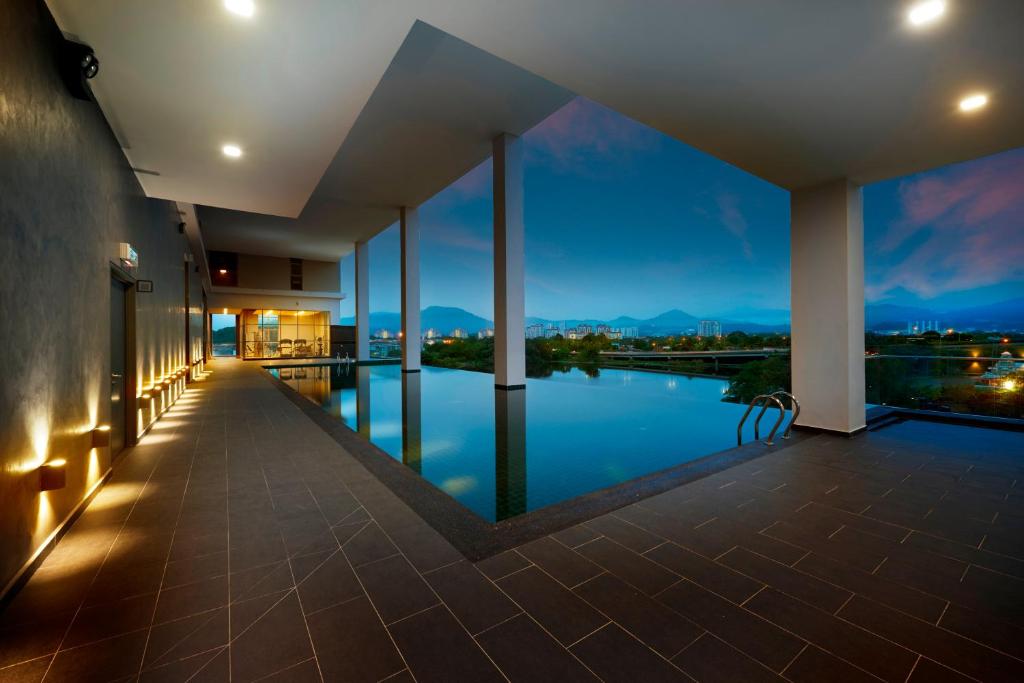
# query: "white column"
(410, 227)
(509, 299)
(362, 301)
(827, 283)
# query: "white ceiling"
(795, 91)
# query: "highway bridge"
(737, 356)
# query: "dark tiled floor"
(240, 542)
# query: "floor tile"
(395, 588)
(352, 644)
(712, 660)
(525, 652)
(472, 597)
(562, 614)
(614, 655)
(437, 648)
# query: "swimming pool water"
(503, 453)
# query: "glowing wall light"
(101, 436)
(53, 475)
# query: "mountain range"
(1006, 315)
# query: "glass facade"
(275, 333)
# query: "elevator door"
(118, 366)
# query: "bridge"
(739, 355)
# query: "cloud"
(733, 220)
(957, 229)
(583, 135)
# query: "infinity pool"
(503, 453)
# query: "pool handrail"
(763, 400)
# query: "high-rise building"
(534, 331)
(709, 328)
(459, 333)
(485, 333)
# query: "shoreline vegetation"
(544, 357)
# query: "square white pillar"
(509, 294)
(362, 301)
(827, 283)
(410, 228)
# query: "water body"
(503, 453)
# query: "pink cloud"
(964, 227)
(573, 136)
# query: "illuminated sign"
(129, 257)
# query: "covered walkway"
(239, 542)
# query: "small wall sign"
(144, 286)
(129, 257)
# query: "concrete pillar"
(827, 281)
(509, 297)
(362, 301)
(410, 227)
(509, 453)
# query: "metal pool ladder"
(765, 401)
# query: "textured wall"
(67, 199)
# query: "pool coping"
(475, 537)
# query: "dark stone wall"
(67, 199)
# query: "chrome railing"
(766, 401)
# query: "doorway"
(118, 366)
(224, 327)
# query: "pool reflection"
(502, 453)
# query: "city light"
(1009, 384)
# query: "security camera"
(78, 64)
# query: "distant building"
(709, 328)
(383, 334)
(432, 333)
(1001, 372)
(629, 332)
(485, 333)
(919, 326)
(459, 333)
(552, 331)
(603, 329)
(535, 331)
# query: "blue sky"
(622, 220)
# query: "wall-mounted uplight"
(101, 436)
(926, 12)
(232, 151)
(973, 102)
(243, 8)
(53, 475)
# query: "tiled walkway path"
(239, 542)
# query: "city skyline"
(692, 232)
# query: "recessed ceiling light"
(233, 151)
(926, 12)
(243, 8)
(973, 102)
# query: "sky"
(623, 220)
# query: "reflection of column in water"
(509, 452)
(363, 400)
(412, 436)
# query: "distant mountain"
(443, 318)
(1004, 315)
